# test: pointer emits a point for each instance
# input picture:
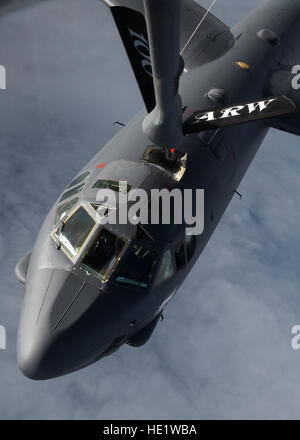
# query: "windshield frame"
(88, 248)
(89, 241)
(113, 185)
(63, 221)
(147, 245)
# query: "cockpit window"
(71, 192)
(103, 254)
(74, 232)
(79, 179)
(179, 255)
(137, 267)
(190, 243)
(63, 209)
(114, 185)
(166, 269)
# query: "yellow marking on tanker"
(243, 65)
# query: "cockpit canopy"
(80, 234)
(72, 234)
(114, 185)
(137, 267)
(103, 254)
(98, 249)
(77, 232)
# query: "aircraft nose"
(53, 333)
(42, 362)
(36, 364)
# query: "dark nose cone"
(56, 324)
(38, 364)
(46, 361)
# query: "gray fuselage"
(70, 317)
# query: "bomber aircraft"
(211, 94)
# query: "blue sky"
(224, 348)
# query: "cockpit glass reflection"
(75, 231)
(72, 192)
(137, 267)
(103, 254)
(113, 185)
(63, 209)
(83, 177)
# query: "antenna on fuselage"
(119, 123)
(239, 194)
(197, 27)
